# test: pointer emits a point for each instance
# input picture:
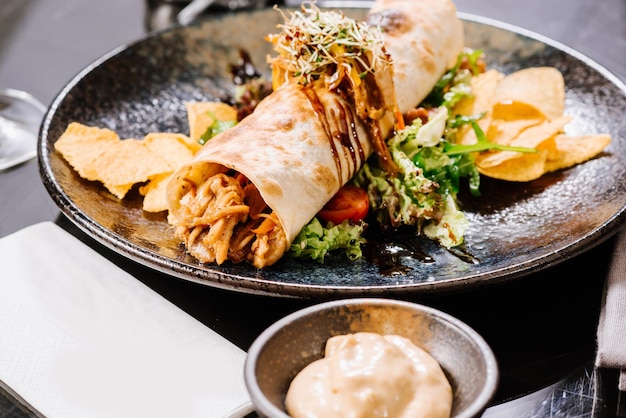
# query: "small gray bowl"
(293, 342)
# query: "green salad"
(423, 193)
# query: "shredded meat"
(268, 247)
(218, 221)
(254, 200)
(241, 242)
(210, 214)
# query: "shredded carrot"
(267, 225)
(399, 120)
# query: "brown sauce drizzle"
(342, 127)
(384, 157)
(369, 88)
(348, 137)
(387, 250)
(368, 98)
(462, 253)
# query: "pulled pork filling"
(225, 219)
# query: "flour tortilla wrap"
(292, 152)
(284, 149)
(424, 39)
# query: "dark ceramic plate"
(515, 229)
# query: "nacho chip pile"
(525, 109)
(99, 154)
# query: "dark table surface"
(541, 327)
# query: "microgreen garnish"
(312, 40)
(482, 144)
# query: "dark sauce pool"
(388, 249)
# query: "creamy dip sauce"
(370, 375)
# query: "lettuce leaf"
(316, 241)
(423, 192)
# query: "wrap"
(303, 143)
(424, 39)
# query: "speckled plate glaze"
(515, 228)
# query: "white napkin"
(80, 337)
(612, 325)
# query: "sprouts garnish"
(313, 40)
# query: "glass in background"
(165, 13)
(20, 112)
(20, 117)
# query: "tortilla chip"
(513, 110)
(155, 193)
(540, 137)
(541, 87)
(173, 148)
(483, 88)
(524, 167)
(574, 150)
(517, 166)
(526, 110)
(503, 132)
(81, 145)
(119, 191)
(201, 115)
(128, 162)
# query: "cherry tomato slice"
(350, 202)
